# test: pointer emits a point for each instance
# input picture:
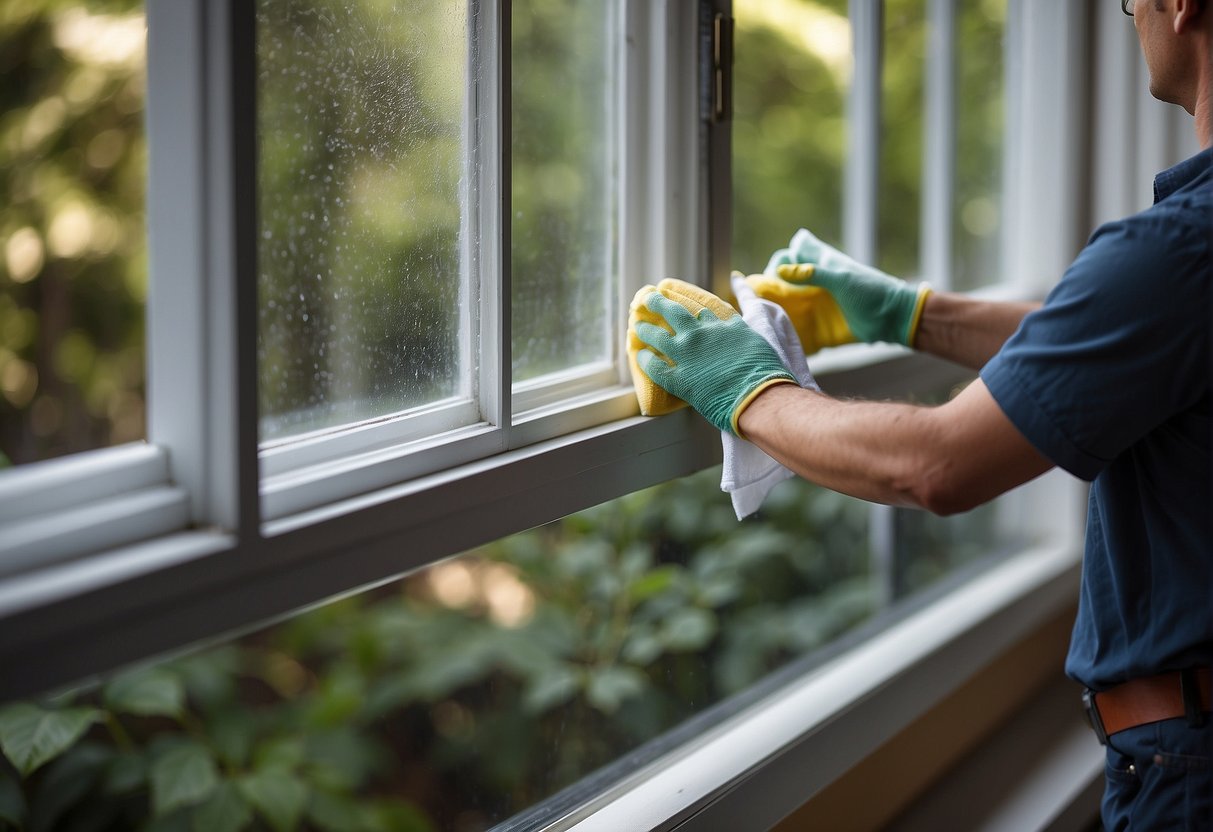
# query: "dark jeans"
(1159, 777)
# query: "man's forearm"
(878, 451)
(966, 330)
(945, 459)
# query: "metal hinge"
(722, 68)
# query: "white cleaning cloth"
(749, 474)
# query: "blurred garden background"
(477, 688)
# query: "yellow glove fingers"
(814, 313)
(650, 307)
(694, 298)
(797, 273)
(652, 398)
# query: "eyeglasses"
(1126, 6)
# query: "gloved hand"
(835, 300)
(709, 358)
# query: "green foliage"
(789, 130)
(146, 692)
(31, 736)
(72, 238)
(226, 810)
(182, 775)
(502, 675)
(278, 795)
(790, 133)
(475, 688)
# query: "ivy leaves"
(31, 736)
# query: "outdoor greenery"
(463, 695)
(474, 689)
(73, 273)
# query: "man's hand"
(834, 300)
(716, 364)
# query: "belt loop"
(1092, 711)
(1189, 687)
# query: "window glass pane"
(488, 683)
(791, 79)
(73, 246)
(899, 203)
(562, 265)
(361, 111)
(980, 108)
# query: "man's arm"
(945, 459)
(966, 330)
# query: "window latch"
(722, 68)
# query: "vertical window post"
(939, 144)
(489, 28)
(202, 306)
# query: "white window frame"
(113, 556)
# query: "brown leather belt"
(1150, 699)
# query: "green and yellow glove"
(709, 358)
(835, 300)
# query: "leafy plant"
(469, 692)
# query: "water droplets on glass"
(361, 108)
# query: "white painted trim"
(342, 441)
(1048, 174)
(339, 478)
(101, 524)
(939, 145)
(552, 388)
(862, 182)
(178, 254)
(57, 485)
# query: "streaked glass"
(563, 233)
(361, 136)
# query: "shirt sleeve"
(1120, 345)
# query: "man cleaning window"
(1108, 379)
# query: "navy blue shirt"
(1110, 380)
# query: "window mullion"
(202, 357)
(719, 164)
(939, 144)
(176, 337)
(233, 220)
(863, 162)
(490, 29)
(859, 223)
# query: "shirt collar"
(1174, 178)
